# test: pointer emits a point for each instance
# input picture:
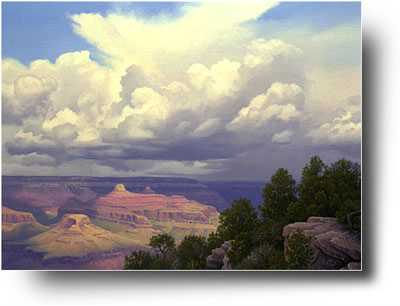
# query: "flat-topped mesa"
(120, 196)
(153, 206)
(75, 235)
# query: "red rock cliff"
(121, 203)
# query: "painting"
(181, 136)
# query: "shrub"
(264, 257)
(239, 224)
(213, 241)
(164, 244)
(298, 252)
(139, 260)
(192, 253)
(343, 185)
(277, 196)
(240, 218)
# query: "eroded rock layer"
(75, 235)
(9, 215)
(139, 209)
(19, 225)
(334, 246)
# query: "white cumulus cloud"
(341, 129)
(280, 102)
(264, 52)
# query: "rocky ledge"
(334, 246)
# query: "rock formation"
(18, 225)
(219, 258)
(334, 246)
(119, 188)
(119, 221)
(139, 208)
(12, 216)
(75, 235)
(190, 188)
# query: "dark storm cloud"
(219, 146)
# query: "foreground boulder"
(219, 258)
(334, 246)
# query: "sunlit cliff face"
(119, 188)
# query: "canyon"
(52, 192)
(74, 222)
(57, 224)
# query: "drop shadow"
(371, 113)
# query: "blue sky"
(43, 30)
(320, 15)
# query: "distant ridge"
(219, 194)
(98, 178)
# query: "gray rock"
(219, 258)
(226, 245)
(227, 264)
(334, 246)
